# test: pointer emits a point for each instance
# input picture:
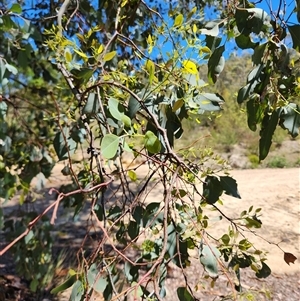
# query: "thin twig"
(55, 205)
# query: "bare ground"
(276, 191)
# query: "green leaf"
(216, 64)
(245, 42)
(212, 189)
(126, 120)
(171, 241)
(132, 175)
(251, 20)
(150, 67)
(133, 107)
(178, 20)
(100, 285)
(41, 181)
(212, 42)
(152, 143)
(77, 291)
(3, 109)
(208, 258)
(133, 230)
(290, 119)
(34, 285)
(269, 124)
(28, 237)
(92, 274)
(64, 286)
(94, 281)
(264, 272)
(109, 146)
(230, 186)
(11, 69)
(259, 54)
(68, 55)
(92, 104)
(295, 34)
(183, 294)
(16, 8)
(115, 108)
(81, 54)
(208, 102)
(83, 75)
(109, 56)
(61, 146)
(254, 112)
(117, 111)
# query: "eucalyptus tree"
(114, 79)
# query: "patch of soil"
(276, 191)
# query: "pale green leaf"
(11, 69)
(209, 259)
(152, 143)
(109, 146)
(132, 175)
(77, 291)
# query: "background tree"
(112, 78)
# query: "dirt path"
(276, 191)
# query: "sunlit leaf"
(190, 67)
(68, 55)
(109, 146)
(81, 54)
(132, 175)
(16, 8)
(178, 20)
(109, 56)
(150, 67)
(152, 143)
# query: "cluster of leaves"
(130, 79)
